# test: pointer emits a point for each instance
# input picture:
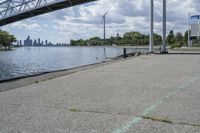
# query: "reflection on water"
(33, 60)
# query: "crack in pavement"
(70, 109)
(76, 110)
(164, 120)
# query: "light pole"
(164, 50)
(188, 29)
(151, 41)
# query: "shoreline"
(15, 83)
(139, 46)
(9, 84)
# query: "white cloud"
(84, 21)
(27, 26)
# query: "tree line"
(129, 39)
(134, 39)
(177, 39)
(6, 40)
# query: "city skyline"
(38, 42)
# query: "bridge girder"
(16, 10)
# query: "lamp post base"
(164, 52)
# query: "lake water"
(34, 60)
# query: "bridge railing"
(10, 8)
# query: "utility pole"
(104, 29)
(164, 50)
(151, 41)
(188, 29)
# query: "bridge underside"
(42, 10)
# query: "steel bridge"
(16, 10)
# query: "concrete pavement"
(146, 94)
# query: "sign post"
(193, 29)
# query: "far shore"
(115, 46)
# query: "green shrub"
(176, 45)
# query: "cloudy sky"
(84, 21)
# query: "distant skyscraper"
(39, 41)
(20, 42)
(46, 42)
(28, 42)
(35, 43)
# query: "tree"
(136, 38)
(186, 37)
(6, 39)
(95, 38)
(133, 38)
(12, 39)
(157, 39)
(80, 42)
(171, 37)
(179, 37)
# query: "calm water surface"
(33, 60)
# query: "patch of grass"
(194, 125)
(145, 58)
(36, 82)
(176, 45)
(158, 119)
(50, 78)
(74, 110)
